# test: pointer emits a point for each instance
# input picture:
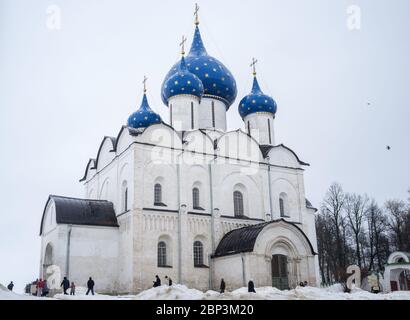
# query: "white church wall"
(228, 179)
(125, 253)
(233, 276)
(156, 226)
(196, 176)
(284, 186)
(166, 176)
(94, 252)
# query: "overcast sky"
(62, 90)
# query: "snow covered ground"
(181, 292)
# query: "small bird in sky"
(368, 103)
(388, 148)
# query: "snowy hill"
(181, 292)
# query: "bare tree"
(333, 207)
(377, 228)
(396, 211)
(356, 207)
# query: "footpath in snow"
(181, 292)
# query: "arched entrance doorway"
(404, 280)
(280, 271)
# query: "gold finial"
(145, 84)
(182, 44)
(253, 65)
(196, 14)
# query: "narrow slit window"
(213, 114)
(170, 114)
(192, 115)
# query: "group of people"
(66, 285)
(251, 286)
(38, 288)
(157, 282)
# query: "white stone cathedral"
(188, 199)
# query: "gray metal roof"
(243, 239)
(82, 212)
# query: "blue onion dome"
(217, 80)
(182, 82)
(144, 116)
(256, 101)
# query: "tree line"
(354, 229)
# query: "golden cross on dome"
(196, 14)
(253, 65)
(145, 83)
(182, 44)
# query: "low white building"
(188, 199)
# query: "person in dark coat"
(222, 287)
(65, 284)
(90, 286)
(157, 282)
(45, 290)
(169, 280)
(251, 286)
(10, 286)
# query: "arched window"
(238, 204)
(157, 194)
(162, 254)
(195, 198)
(198, 254)
(124, 200)
(283, 205)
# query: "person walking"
(157, 282)
(251, 286)
(10, 286)
(222, 286)
(65, 284)
(40, 285)
(72, 289)
(90, 286)
(45, 290)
